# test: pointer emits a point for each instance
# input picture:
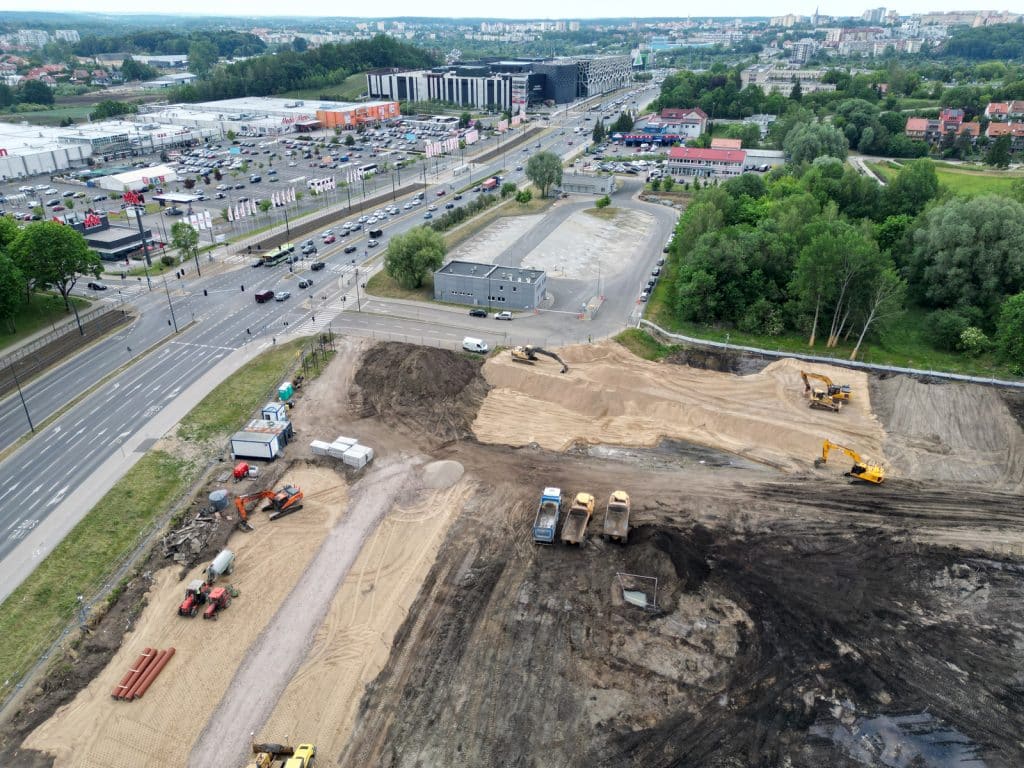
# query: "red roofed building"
(727, 144)
(1003, 111)
(920, 127)
(1014, 130)
(703, 163)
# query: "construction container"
(219, 499)
(257, 445)
(285, 392)
(283, 428)
(274, 412)
(358, 456)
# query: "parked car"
(503, 316)
(477, 312)
(282, 296)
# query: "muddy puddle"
(668, 454)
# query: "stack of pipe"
(142, 673)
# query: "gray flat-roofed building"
(588, 183)
(483, 285)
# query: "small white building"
(138, 179)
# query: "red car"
(329, 239)
(440, 192)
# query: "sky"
(522, 9)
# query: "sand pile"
(442, 474)
(422, 390)
(956, 432)
(610, 396)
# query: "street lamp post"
(21, 395)
(287, 227)
(174, 320)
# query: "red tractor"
(218, 599)
(196, 594)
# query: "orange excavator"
(282, 502)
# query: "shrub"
(943, 329)
(973, 341)
(603, 202)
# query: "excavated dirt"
(421, 391)
(795, 619)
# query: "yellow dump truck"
(616, 517)
(574, 530)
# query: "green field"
(348, 89)
(961, 180)
(49, 116)
(45, 311)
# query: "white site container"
(358, 456)
(320, 448)
(349, 441)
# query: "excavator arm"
(835, 391)
(534, 351)
(242, 505)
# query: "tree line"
(228, 43)
(999, 42)
(316, 68)
(818, 249)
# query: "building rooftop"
(712, 155)
(492, 271)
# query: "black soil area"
(719, 360)
(422, 391)
(804, 642)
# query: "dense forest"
(162, 41)
(821, 250)
(999, 42)
(315, 68)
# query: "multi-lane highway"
(43, 475)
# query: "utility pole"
(174, 320)
(357, 291)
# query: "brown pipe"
(159, 665)
(122, 686)
(139, 672)
(142, 675)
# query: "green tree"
(968, 255)
(202, 56)
(465, 119)
(134, 70)
(974, 342)
(667, 183)
(1009, 331)
(56, 255)
(109, 108)
(656, 185)
(544, 169)
(185, 239)
(8, 232)
(299, 45)
(34, 92)
(6, 95)
(264, 205)
(998, 153)
(807, 141)
(603, 202)
(598, 133)
(350, 140)
(796, 93)
(12, 285)
(883, 299)
(913, 188)
(524, 197)
(623, 124)
(508, 189)
(412, 255)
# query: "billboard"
(519, 92)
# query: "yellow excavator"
(528, 354)
(861, 470)
(839, 392)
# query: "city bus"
(279, 255)
(367, 169)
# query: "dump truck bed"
(616, 522)
(546, 522)
(575, 527)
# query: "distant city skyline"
(522, 10)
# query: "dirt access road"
(800, 619)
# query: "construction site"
(578, 557)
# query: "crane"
(528, 354)
(282, 502)
(835, 391)
(870, 473)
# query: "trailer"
(548, 511)
(256, 445)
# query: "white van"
(474, 345)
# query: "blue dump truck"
(547, 516)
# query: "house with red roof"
(692, 162)
(1014, 130)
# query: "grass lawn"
(642, 344)
(385, 286)
(44, 311)
(966, 180)
(226, 407)
(348, 89)
(37, 611)
(49, 116)
(917, 104)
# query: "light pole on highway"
(287, 228)
(174, 320)
(21, 395)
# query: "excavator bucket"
(244, 525)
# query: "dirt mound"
(610, 396)
(421, 390)
(956, 432)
